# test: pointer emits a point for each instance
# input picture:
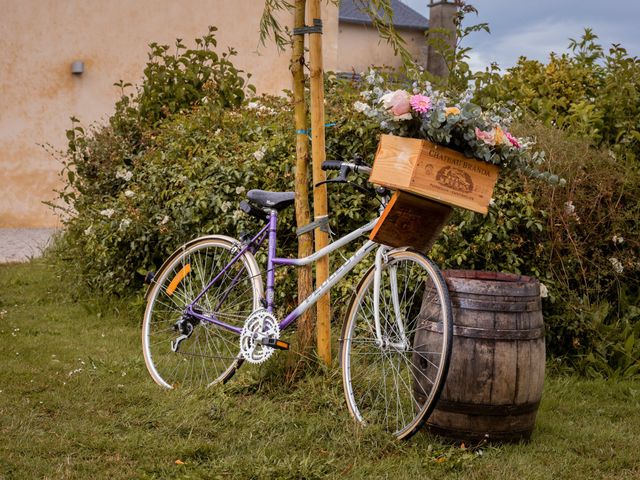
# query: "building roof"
(403, 15)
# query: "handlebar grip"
(331, 165)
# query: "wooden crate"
(435, 172)
(411, 220)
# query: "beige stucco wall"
(361, 47)
(39, 39)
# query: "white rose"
(225, 207)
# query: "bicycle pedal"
(277, 344)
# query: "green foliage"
(616, 351)
(188, 182)
(499, 241)
(152, 179)
(134, 209)
(591, 253)
(269, 25)
(177, 81)
(105, 191)
(588, 92)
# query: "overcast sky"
(536, 28)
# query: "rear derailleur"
(184, 327)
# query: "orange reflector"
(283, 345)
(184, 271)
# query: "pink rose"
(487, 137)
(398, 104)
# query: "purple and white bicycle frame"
(269, 232)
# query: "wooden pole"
(323, 330)
(303, 215)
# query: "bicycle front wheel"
(393, 370)
(208, 354)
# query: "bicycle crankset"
(260, 336)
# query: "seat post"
(271, 254)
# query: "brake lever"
(341, 178)
(353, 184)
(332, 180)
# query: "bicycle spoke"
(388, 377)
(207, 353)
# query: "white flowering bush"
(188, 181)
(134, 206)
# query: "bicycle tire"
(396, 383)
(210, 354)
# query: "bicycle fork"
(381, 340)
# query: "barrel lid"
(494, 283)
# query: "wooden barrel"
(496, 375)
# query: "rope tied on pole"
(308, 131)
(315, 28)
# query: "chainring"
(260, 324)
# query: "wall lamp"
(77, 67)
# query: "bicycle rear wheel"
(210, 353)
(393, 375)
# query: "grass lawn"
(76, 402)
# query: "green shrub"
(589, 92)
(591, 252)
(146, 182)
(175, 82)
(188, 180)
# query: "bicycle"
(208, 312)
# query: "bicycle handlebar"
(331, 165)
(338, 165)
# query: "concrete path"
(23, 244)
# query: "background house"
(41, 39)
(359, 45)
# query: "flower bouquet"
(444, 149)
(456, 123)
